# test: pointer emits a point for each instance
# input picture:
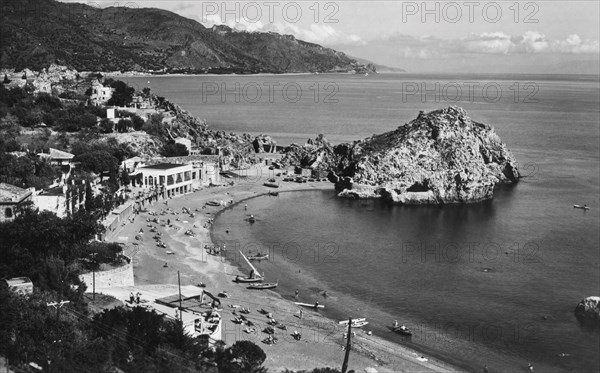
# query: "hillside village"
(157, 148)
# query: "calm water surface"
(491, 283)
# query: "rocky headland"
(440, 157)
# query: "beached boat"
(274, 194)
(213, 203)
(264, 286)
(584, 207)
(311, 305)
(271, 185)
(356, 323)
(258, 257)
(252, 219)
(254, 275)
(243, 279)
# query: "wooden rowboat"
(311, 305)
(264, 286)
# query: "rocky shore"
(588, 311)
(440, 157)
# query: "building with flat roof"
(20, 285)
(11, 199)
(168, 179)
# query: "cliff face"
(439, 157)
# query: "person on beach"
(131, 298)
(296, 295)
(395, 323)
(301, 313)
(317, 304)
(530, 367)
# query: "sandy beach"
(322, 339)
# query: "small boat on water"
(258, 257)
(311, 305)
(264, 286)
(402, 330)
(584, 207)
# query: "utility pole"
(58, 306)
(348, 346)
(179, 284)
(94, 276)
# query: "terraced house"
(11, 199)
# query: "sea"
(493, 283)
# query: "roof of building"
(18, 280)
(164, 166)
(11, 193)
(57, 154)
(56, 191)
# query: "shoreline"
(322, 337)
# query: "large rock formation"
(439, 157)
(264, 144)
(588, 311)
(317, 154)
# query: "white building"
(169, 179)
(61, 200)
(100, 94)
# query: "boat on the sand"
(264, 286)
(213, 203)
(271, 185)
(244, 280)
(356, 323)
(311, 305)
(255, 275)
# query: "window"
(194, 175)
(186, 175)
(161, 180)
(170, 180)
(8, 213)
(179, 180)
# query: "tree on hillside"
(9, 127)
(154, 125)
(123, 125)
(96, 161)
(125, 180)
(106, 125)
(243, 357)
(123, 94)
(174, 150)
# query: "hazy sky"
(471, 36)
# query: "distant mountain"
(379, 68)
(36, 33)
